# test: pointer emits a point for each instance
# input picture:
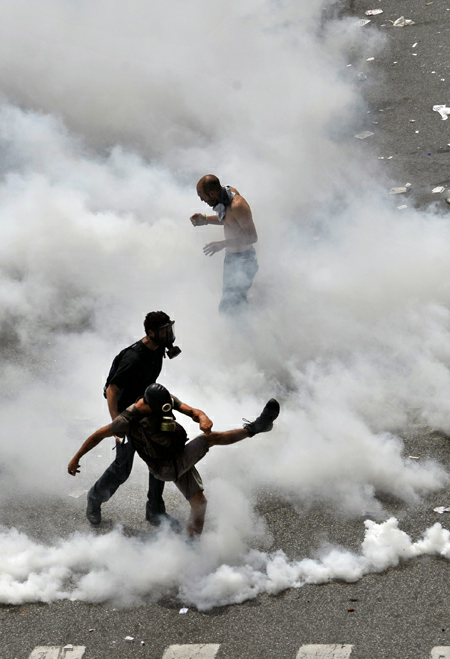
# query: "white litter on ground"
(402, 22)
(362, 136)
(443, 110)
(362, 22)
(76, 494)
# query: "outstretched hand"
(74, 467)
(212, 248)
(198, 219)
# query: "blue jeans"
(118, 472)
(239, 271)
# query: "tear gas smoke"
(91, 565)
(111, 113)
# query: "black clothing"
(118, 472)
(138, 368)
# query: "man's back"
(238, 215)
(138, 368)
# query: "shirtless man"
(240, 264)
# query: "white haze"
(94, 566)
(111, 112)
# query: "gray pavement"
(404, 83)
(399, 614)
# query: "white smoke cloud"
(110, 115)
(91, 568)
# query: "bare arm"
(200, 219)
(89, 444)
(198, 416)
(111, 397)
(245, 231)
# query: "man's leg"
(263, 423)
(155, 503)
(190, 480)
(155, 511)
(197, 517)
(191, 487)
(186, 477)
(116, 474)
(227, 437)
(228, 301)
(239, 270)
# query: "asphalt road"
(405, 80)
(399, 614)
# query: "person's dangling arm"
(89, 444)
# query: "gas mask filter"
(168, 422)
(167, 340)
(161, 403)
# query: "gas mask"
(167, 339)
(161, 403)
(168, 422)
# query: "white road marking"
(324, 652)
(440, 652)
(57, 652)
(45, 652)
(209, 651)
(192, 651)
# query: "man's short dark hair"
(210, 183)
(155, 319)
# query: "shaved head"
(209, 183)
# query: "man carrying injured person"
(161, 442)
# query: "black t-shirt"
(138, 368)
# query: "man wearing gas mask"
(132, 371)
(162, 443)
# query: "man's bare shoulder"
(238, 202)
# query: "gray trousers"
(239, 271)
(118, 472)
